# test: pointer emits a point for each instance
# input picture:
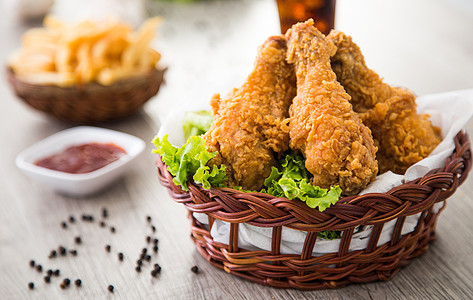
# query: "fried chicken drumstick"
(338, 148)
(403, 137)
(251, 125)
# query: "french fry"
(140, 43)
(67, 54)
(53, 23)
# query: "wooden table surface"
(424, 45)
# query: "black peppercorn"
(120, 256)
(148, 218)
(52, 254)
(108, 248)
(195, 269)
(138, 269)
(155, 248)
(78, 282)
(78, 240)
(56, 272)
(71, 219)
(39, 268)
(62, 250)
(66, 281)
(102, 224)
(47, 279)
(104, 213)
(139, 262)
(88, 218)
(112, 229)
(73, 252)
(49, 272)
(110, 288)
(32, 263)
(148, 239)
(153, 228)
(64, 225)
(31, 285)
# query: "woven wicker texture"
(92, 102)
(332, 270)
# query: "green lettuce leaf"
(196, 122)
(329, 235)
(190, 160)
(292, 181)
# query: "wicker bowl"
(92, 102)
(331, 270)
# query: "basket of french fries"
(315, 173)
(87, 72)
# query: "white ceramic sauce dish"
(83, 184)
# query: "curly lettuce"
(292, 180)
(196, 122)
(190, 161)
(330, 235)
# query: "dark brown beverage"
(293, 11)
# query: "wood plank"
(202, 42)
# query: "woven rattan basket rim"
(330, 270)
(91, 102)
(264, 210)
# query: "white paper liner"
(450, 111)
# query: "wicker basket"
(92, 102)
(332, 270)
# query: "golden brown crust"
(251, 124)
(403, 137)
(338, 148)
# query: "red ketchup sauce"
(83, 158)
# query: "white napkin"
(449, 111)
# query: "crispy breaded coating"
(403, 137)
(250, 128)
(338, 148)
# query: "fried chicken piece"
(250, 128)
(403, 137)
(338, 148)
